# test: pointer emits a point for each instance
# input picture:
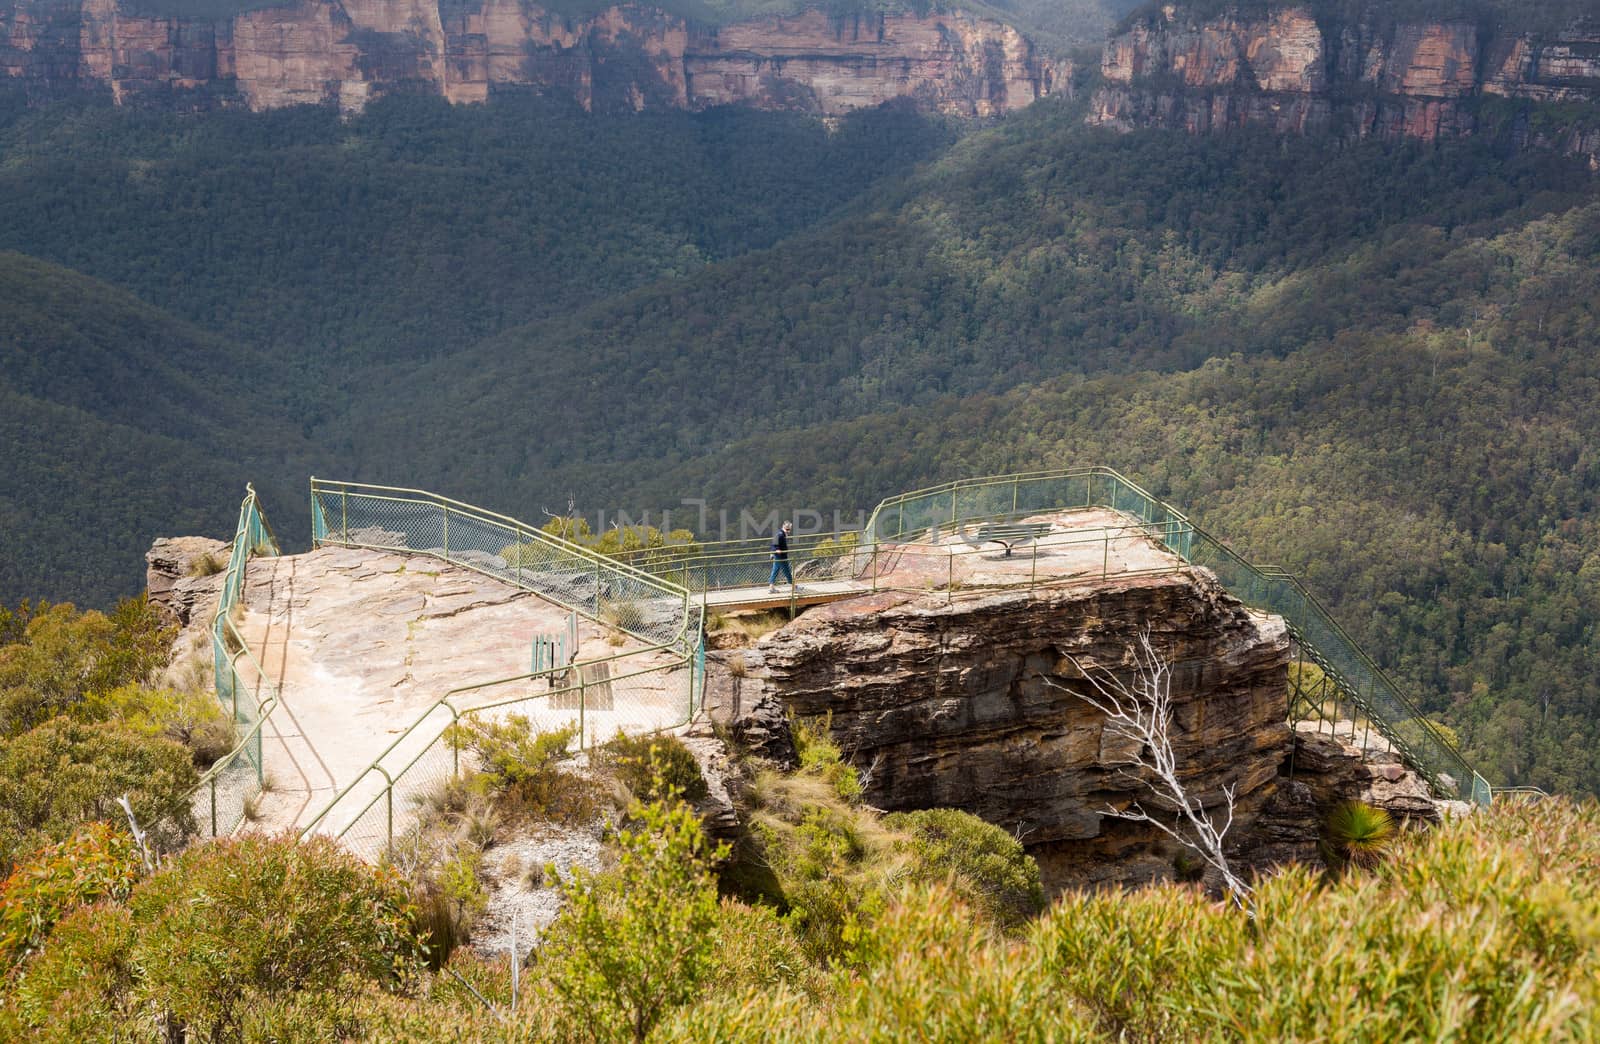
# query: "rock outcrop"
(975, 704)
(1325, 769)
(626, 57)
(183, 577)
(1292, 73)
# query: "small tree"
(632, 944)
(1141, 711)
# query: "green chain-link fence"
(908, 542)
(219, 802)
(1359, 679)
(644, 689)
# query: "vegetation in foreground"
(827, 920)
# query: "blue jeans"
(780, 564)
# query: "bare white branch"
(1140, 711)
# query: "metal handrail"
(335, 486)
(1183, 537)
(444, 701)
(222, 627)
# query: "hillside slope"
(120, 423)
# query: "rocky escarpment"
(625, 57)
(976, 704)
(1293, 73)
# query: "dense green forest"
(1365, 361)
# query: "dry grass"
(755, 625)
(208, 564)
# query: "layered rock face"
(977, 704)
(1290, 73)
(625, 57)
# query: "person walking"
(780, 558)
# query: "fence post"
(583, 703)
(344, 515)
(389, 846)
(1105, 555)
(447, 532)
(213, 806)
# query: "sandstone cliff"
(974, 704)
(1292, 73)
(626, 57)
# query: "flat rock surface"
(1083, 546)
(365, 643)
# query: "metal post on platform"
(344, 515)
(447, 532)
(583, 703)
(1105, 555)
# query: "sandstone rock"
(736, 699)
(174, 589)
(717, 810)
(975, 704)
(625, 57)
(1369, 77)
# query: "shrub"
(209, 564)
(755, 948)
(829, 859)
(80, 986)
(632, 944)
(61, 655)
(927, 973)
(820, 756)
(1486, 928)
(67, 772)
(98, 862)
(193, 717)
(522, 768)
(654, 767)
(1357, 834)
(264, 917)
(985, 865)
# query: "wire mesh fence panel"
(652, 609)
(221, 799)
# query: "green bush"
(830, 860)
(985, 865)
(65, 772)
(1486, 928)
(654, 767)
(266, 917)
(928, 972)
(1357, 835)
(98, 862)
(80, 986)
(632, 944)
(193, 717)
(820, 756)
(58, 656)
(522, 770)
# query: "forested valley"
(1368, 362)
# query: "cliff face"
(625, 57)
(976, 705)
(1290, 73)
